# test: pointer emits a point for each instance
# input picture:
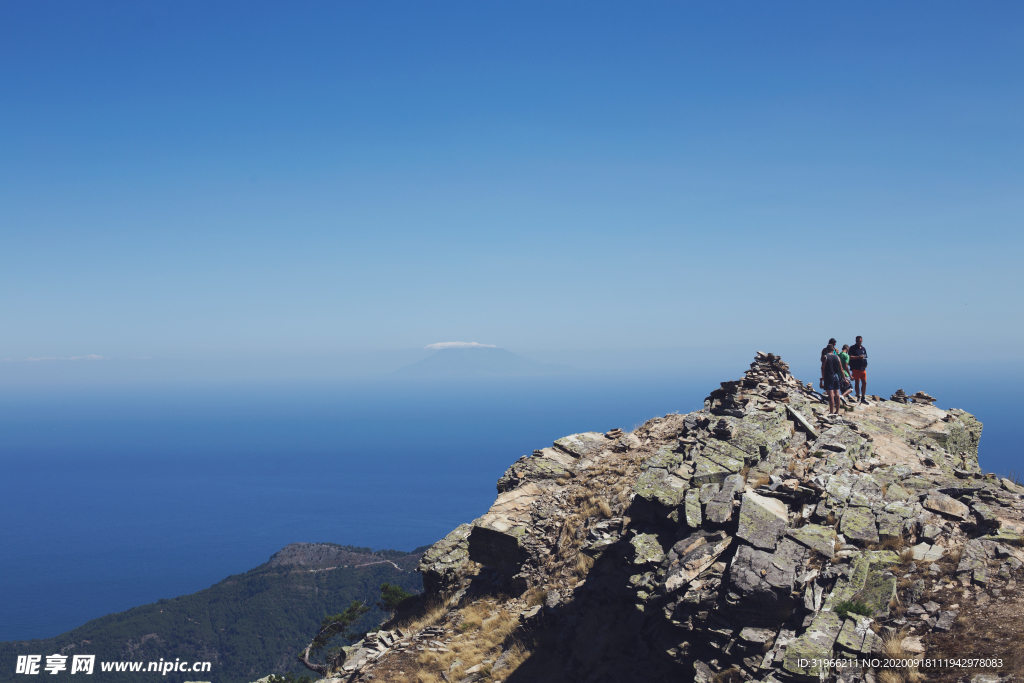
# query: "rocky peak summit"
(754, 539)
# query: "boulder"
(657, 495)
(692, 507)
(719, 509)
(944, 505)
(646, 549)
(580, 445)
(762, 520)
(444, 561)
(817, 537)
(808, 654)
(692, 555)
(859, 524)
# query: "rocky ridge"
(753, 539)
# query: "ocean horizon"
(121, 496)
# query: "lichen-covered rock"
(444, 561)
(719, 508)
(692, 555)
(943, 504)
(762, 521)
(532, 468)
(693, 513)
(647, 548)
(859, 524)
(658, 495)
(817, 537)
(580, 445)
(808, 655)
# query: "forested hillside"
(248, 625)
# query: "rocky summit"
(758, 538)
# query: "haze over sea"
(120, 496)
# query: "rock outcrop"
(755, 539)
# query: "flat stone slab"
(719, 509)
(647, 549)
(927, 553)
(762, 520)
(799, 418)
(707, 471)
(817, 537)
(579, 445)
(943, 504)
(692, 504)
(859, 524)
(806, 654)
(692, 555)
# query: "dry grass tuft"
(761, 479)
(891, 676)
(431, 613)
(731, 675)
(582, 566)
(484, 629)
(955, 554)
(896, 543)
(535, 596)
(892, 645)
(514, 656)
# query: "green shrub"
(847, 607)
(392, 597)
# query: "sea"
(119, 496)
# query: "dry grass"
(431, 613)
(484, 629)
(535, 596)
(760, 479)
(890, 676)
(731, 675)
(892, 648)
(896, 543)
(581, 566)
(515, 655)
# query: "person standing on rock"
(846, 385)
(859, 368)
(831, 369)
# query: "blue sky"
(286, 182)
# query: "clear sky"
(202, 180)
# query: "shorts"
(859, 374)
(832, 383)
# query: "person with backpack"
(859, 368)
(831, 370)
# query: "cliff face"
(750, 540)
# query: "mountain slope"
(248, 625)
(755, 539)
(477, 362)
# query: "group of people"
(843, 372)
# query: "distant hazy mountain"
(478, 361)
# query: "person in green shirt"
(844, 356)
